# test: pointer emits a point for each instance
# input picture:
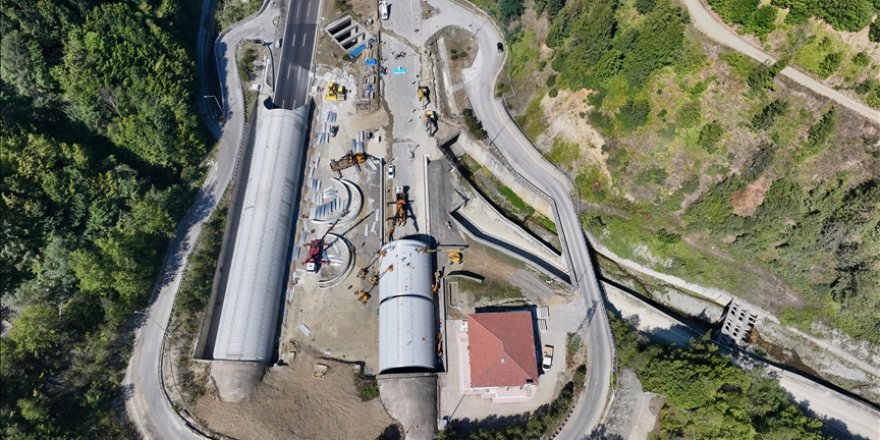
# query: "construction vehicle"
(454, 256)
(400, 212)
(364, 271)
(424, 95)
(334, 92)
(430, 120)
(364, 295)
(349, 160)
(317, 246)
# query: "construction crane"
(316, 249)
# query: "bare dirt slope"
(292, 404)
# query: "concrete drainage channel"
(349, 35)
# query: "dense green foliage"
(754, 19)
(874, 32)
(99, 145)
(847, 15)
(475, 127)
(825, 243)
(707, 396)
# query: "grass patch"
(491, 290)
(592, 184)
(368, 387)
(815, 54)
(532, 121)
(546, 222)
(669, 253)
(563, 154)
(514, 199)
(523, 53)
(230, 12)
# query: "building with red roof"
(501, 349)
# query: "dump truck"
(547, 362)
(334, 92)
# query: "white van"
(383, 9)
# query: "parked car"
(500, 47)
(547, 362)
(390, 171)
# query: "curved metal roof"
(412, 270)
(406, 307)
(255, 286)
(406, 333)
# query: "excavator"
(334, 92)
(364, 295)
(430, 120)
(401, 203)
(350, 159)
(453, 254)
(424, 96)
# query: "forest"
(100, 155)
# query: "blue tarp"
(357, 51)
(370, 62)
(398, 70)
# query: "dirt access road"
(708, 23)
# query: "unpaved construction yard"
(291, 403)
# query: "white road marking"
(293, 40)
(290, 66)
(304, 41)
(309, 9)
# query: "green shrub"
(874, 32)
(768, 115)
(475, 127)
(551, 80)
(633, 114)
(689, 115)
(861, 59)
(830, 64)
(652, 175)
(709, 135)
(645, 6)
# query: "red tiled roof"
(501, 349)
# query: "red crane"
(316, 250)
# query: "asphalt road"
(146, 402)
(298, 48)
(480, 82)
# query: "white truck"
(383, 9)
(547, 362)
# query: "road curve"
(480, 82)
(146, 402)
(706, 22)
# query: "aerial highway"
(297, 53)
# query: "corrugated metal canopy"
(406, 307)
(412, 270)
(255, 285)
(406, 333)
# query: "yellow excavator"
(334, 92)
